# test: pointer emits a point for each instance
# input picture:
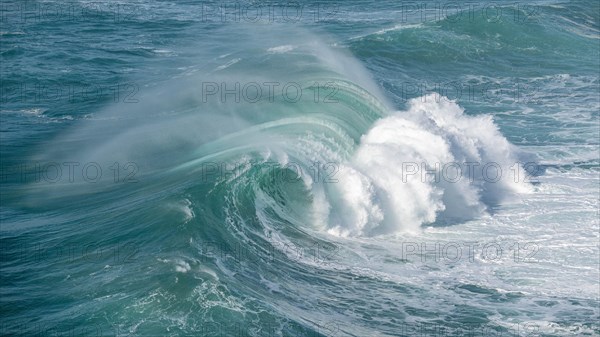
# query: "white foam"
(182, 266)
(398, 27)
(281, 49)
(390, 29)
(375, 197)
(228, 64)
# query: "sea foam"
(429, 164)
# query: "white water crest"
(429, 163)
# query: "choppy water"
(388, 168)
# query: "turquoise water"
(186, 168)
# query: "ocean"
(299, 168)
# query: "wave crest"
(429, 164)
